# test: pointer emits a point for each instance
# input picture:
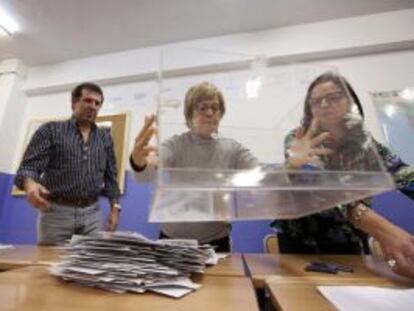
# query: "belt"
(75, 202)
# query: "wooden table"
(286, 297)
(285, 278)
(264, 266)
(230, 266)
(25, 255)
(32, 288)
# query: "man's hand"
(113, 219)
(141, 147)
(36, 194)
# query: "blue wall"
(397, 207)
(18, 218)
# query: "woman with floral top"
(333, 138)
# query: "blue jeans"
(58, 223)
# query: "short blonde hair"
(198, 93)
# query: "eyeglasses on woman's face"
(330, 99)
(207, 106)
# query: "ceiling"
(54, 31)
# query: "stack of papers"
(129, 262)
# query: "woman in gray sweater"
(200, 147)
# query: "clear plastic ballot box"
(264, 107)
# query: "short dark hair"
(338, 80)
(77, 91)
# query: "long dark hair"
(338, 80)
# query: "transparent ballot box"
(259, 142)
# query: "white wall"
(12, 110)
(374, 52)
(350, 36)
(387, 71)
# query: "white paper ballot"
(129, 262)
(362, 298)
(172, 291)
(5, 247)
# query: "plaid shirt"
(59, 159)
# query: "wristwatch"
(117, 206)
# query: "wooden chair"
(271, 244)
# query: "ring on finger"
(392, 263)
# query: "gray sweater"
(188, 150)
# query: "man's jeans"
(58, 223)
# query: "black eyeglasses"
(204, 107)
(330, 99)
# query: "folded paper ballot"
(129, 262)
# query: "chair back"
(271, 244)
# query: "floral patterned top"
(311, 234)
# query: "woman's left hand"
(306, 147)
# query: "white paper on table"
(181, 282)
(172, 291)
(128, 262)
(179, 242)
(214, 258)
(83, 270)
(364, 298)
(222, 256)
(4, 247)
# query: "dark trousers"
(222, 245)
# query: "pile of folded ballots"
(129, 262)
